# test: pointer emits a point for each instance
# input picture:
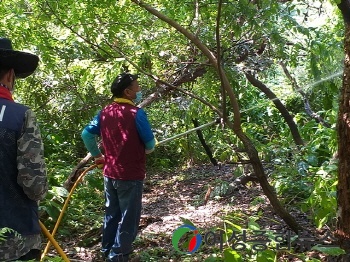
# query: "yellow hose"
(53, 241)
(65, 207)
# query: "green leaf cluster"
(83, 45)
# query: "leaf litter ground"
(175, 198)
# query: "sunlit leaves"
(83, 45)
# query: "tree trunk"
(266, 187)
(235, 125)
(343, 128)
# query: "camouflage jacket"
(23, 180)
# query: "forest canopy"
(270, 71)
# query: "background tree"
(343, 199)
(235, 125)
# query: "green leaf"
(266, 256)
(333, 251)
(233, 224)
(211, 259)
(59, 191)
(187, 221)
(232, 256)
(253, 225)
(53, 211)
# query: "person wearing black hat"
(23, 178)
(126, 138)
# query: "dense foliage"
(83, 45)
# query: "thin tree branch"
(281, 108)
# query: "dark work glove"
(100, 161)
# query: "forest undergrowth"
(201, 196)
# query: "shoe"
(117, 258)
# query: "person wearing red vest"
(23, 175)
(126, 138)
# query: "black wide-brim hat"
(23, 63)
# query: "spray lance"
(217, 121)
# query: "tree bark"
(266, 187)
(164, 89)
(76, 172)
(343, 128)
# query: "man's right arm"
(145, 131)
(89, 134)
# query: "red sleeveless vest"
(125, 157)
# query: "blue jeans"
(122, 217)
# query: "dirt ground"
(196, 196)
